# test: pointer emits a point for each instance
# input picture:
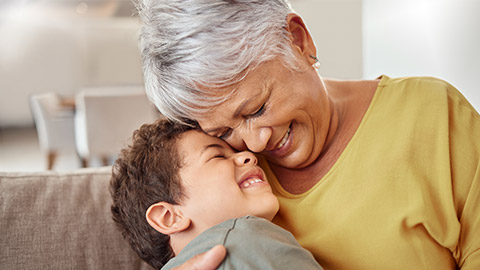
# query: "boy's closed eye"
(218, 156)
(214, 151)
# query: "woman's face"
(278, 112)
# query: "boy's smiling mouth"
(250, 178)
(248, 182)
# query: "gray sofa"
(53, 220)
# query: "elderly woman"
(375, 174)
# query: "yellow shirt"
(405, 193)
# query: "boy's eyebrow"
(213, 145)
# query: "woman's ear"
(301, 38)
(166, 218)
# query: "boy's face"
(221, 184)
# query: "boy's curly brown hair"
(145, 173)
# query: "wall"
(424, 37)
(354, 38)
(40, 53)
(336, 27)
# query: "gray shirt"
(252, 243)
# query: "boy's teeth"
(249, 182)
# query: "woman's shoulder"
(417, 83)
(428, 89)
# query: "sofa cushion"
(52, 220)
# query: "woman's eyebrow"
(240, 108)
(259, 95)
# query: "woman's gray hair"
(191, 45)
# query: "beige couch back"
(55, 220)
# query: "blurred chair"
(106, 118)
(55, 125)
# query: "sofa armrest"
(52, 220)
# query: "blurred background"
(66, 46)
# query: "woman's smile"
(284, 145)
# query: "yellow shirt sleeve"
(405, 193)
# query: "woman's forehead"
(240, 95)
(258, 75)
(216, 117)
(233, 105)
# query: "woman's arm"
(464, 136)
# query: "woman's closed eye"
(258, 113)
(225, 134)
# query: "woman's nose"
(256, 140)
(245, 158)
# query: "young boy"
(177, 192)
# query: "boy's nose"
(245, 157)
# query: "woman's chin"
(295, 160)
(284, 163)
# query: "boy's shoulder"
(216, 235)
(251, 243)
(227, 232)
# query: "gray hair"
(191, 45)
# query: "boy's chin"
(269, 213)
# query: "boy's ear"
(301, 38)
(166, 218)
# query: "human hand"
(209, 260)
